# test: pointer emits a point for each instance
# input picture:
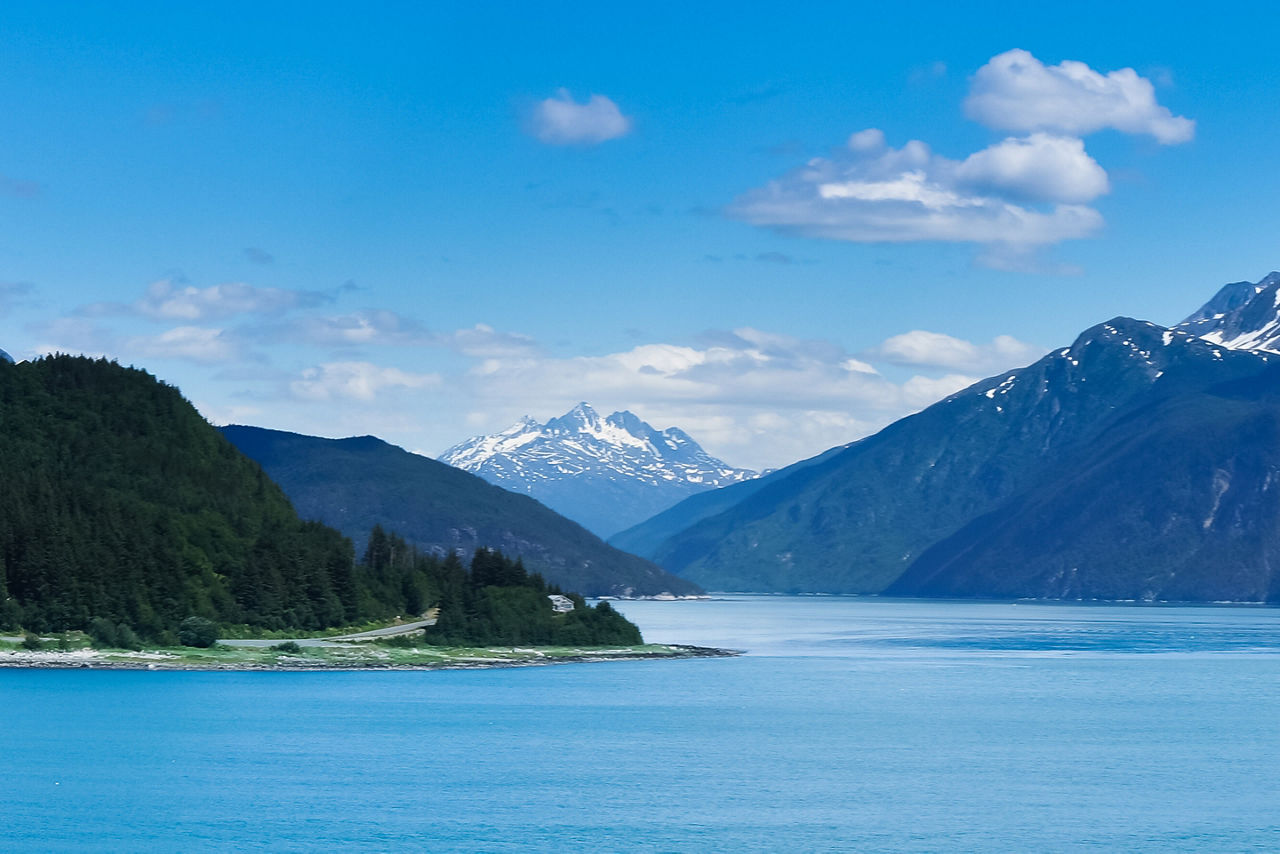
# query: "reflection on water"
(869, 626)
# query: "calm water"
(852, 725)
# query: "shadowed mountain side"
(855, 522)
(1180, 501)
(646, 539)
(353, 484)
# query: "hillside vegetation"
(119, 501)
(124, 513)
(357, 483)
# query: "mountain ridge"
(857, 521)
(355, 483)
(1241, 316)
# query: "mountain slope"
(857, 521)
(605, 473)
(1178, 501)
(647, 538)
(356, 483)
(120, 502)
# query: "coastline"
(354, 658)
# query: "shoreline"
(362, 659)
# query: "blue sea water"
(851, 725)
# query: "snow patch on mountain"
(1241, 316)
(601, 472)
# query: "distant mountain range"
(353, 484)
(605, 473)
(1139, 463)
(5, 357)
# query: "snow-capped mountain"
(607, 474)
(5, 357)
(1241, 316)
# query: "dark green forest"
(119, 503)
(494, 602)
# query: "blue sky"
(418, 223)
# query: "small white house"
(560, 604)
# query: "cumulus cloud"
(1040, 167)
(1015, 91)
(560, 120)
(919, 348)
(1020, 193)
(170, 301)
(871, 192)
(355, 381)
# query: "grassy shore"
(354, 656)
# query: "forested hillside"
(121, 505)
(494, 601)
(118, 500)
(357, 483)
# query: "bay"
(850, 724)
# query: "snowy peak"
(606, 473)
(1241, 316)
(5, 357)
(581, 419)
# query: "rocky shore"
(349, 657)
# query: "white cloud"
(869, 192)
(372, 327)
(360, 329)
(190, 343)
(1012, 258)
(231, 414)
(1017, 92)
(756, 398)
(1016, 195)
(919, 348)
(166, 300)
(559, 120)
(206, 346)
(356, 381)
(1038, 168)
(72, 335)
(482, 341)
(919, 392)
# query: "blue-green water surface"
(852, 724)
